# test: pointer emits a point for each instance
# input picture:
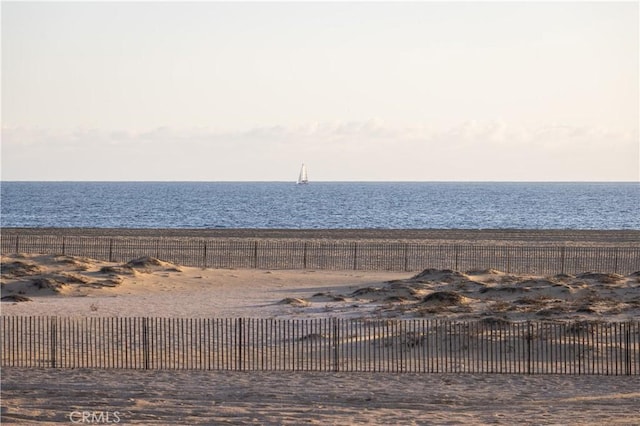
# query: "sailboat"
(302, 177)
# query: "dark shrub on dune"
(15, 298)
(444, 297)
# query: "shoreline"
(502, 236)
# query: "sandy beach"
(76, 286)
(194, 397)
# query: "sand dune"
(64, 285)
(73, 286)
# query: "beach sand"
(293, 398)
(568, 237)
(76, 286)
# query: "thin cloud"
(366, 150)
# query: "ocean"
(321, 205)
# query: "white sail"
(302, 177)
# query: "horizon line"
(312, 182)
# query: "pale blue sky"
(359, 91)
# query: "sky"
(359, 91)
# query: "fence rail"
(341, 255)
(328, 344)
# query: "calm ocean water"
(321, 205)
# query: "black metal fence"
(340, 255)
(328, 344)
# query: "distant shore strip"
(623, 237)
(518, 256)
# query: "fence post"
(335, 345)
(529, 338)
(145, 343)
(406, 257)
(17, 243)
(355, 255)
(204, 255)
(255, 254)
(53, 327)
(239, 343)
(455, 251)
(304, 255)
(63, 244)
(562, 260)
(628, 345)
(110, 249)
